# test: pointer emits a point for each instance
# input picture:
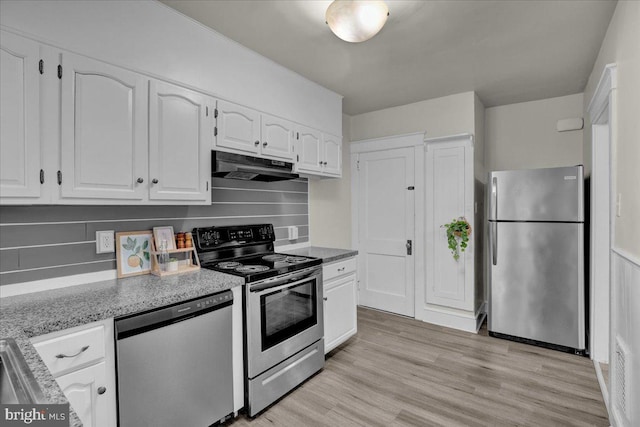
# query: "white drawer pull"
(82, 350)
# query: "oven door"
(284, 316)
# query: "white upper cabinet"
(309, 149)
(242, 130)
(104, 131)
(238, 129)
(20, 161)
(180, 140)
(318, 153)
(277, 138)
(332, 162)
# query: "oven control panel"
(218, 237)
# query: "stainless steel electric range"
(283, 316)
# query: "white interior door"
(386, 225)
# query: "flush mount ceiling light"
(356, 20)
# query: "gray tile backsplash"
(40, 242)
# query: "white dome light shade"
(356, 20)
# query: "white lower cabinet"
(82, 360)
(86, 393)
(340, 303)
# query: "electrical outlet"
(105, 242)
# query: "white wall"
(147, 36)
(524, 136)
(444, 116)
(330, 203)
(622, 46)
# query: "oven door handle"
(286, 281)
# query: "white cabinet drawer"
(339, 268)
(62, 353)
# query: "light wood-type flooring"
(402, 372)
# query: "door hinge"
(215, 131)
(41, 176)
(60, 71)
(41, 66)
(297, 135)
(59, 177)
(207, 186)
(215, 113)
(409, 246)
(358, 164)
(207, 111)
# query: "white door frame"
(415, 140)
(602, 114)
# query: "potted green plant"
(458, 232)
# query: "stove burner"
(229, 265)
(274, 258)
(251, 268)
(295, 259)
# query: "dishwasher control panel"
(202, 304)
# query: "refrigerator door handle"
(494, 242)
(494, 197)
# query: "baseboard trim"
(603, 386)
(468, 322)
(56, 283)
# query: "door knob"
(102, 390)
(256, 143)
(154, 180)
(320, 162)
(140, 180)
(324, 163)
(264, 144)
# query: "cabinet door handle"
(102, 390)
(324, 163)
(320, 163)
(264, 144)
(342, 269)
(82, 350)
(140, 180)
(154, 180)
(324, 298)
(256, 143)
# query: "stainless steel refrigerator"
(536, 257)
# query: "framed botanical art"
(133, 253)
(164, 233)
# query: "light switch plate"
(105, 242)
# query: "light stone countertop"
(326, 254)
(26, 316)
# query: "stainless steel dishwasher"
(174, 364)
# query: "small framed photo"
(133, 253)
(164, 233)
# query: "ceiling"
(507, 51)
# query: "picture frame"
(164, 233)
(133, 253)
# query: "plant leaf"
(146, 255)
(145, 245)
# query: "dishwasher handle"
(145, 321)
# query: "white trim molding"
(449, 138)
(387, 142)
(600, 100)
